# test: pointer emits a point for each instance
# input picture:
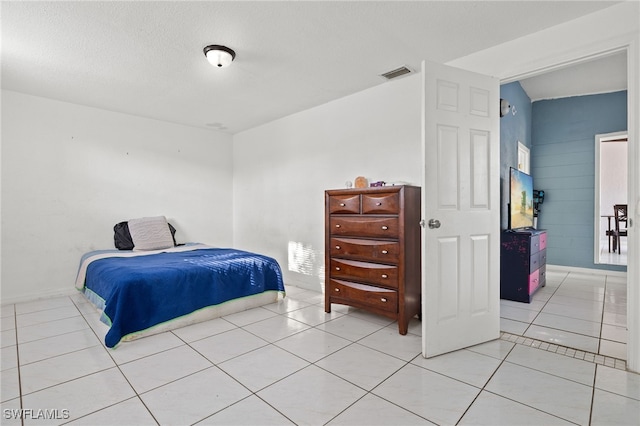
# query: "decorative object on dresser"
(372, 250)
(523, 259)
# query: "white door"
(461, 203)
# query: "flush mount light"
(219, 56)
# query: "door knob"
(433, 223)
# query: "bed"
(147, 292)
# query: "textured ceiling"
(145, 58)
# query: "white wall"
(613, 179)
(69, 173)
(282, 169)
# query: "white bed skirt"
(208, 313)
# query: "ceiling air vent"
(398, 72)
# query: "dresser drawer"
(378, 251)
(374, 273)
(543, 240)
(381, 203)
(534, 262)
(344, 204)
(375, 227)
(375, 297)
(535, 244)
(543, 257)
(534, 281)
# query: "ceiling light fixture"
(219, 56)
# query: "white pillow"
(150, 233)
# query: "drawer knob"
(342, 204)
(385, 227)
(338, 225)
(384, 252)
(378, 204)
(337, 247)
(337, 290)
(385, 276)
(337, 268)
(383, 299)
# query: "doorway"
(611, 188)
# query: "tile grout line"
(592, 357)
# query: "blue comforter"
(142, 291)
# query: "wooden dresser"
(523, 260)
(372, 250)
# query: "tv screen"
(520, 200)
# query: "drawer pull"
(337, 247)
(337, 268)
(383, 299)
(337, 290)
(385, 227)
(385, 276)
(378, 204)
(385, 252)
(338, 225)
(342, 204)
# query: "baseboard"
(592, 271)
(44, 295)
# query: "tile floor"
(290, 363)
(611, 257)
(583, 311)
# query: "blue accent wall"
(513, 128)
(563, 165)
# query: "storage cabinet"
(523, 260)
(372, 250)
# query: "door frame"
(631, 46)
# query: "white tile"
(621, 382)
(311, 396)
(9, 384)
(564, 398)
(612, 409)
(39, 317)
(198, 331)
(194, 397)
(82, 396)
(372, 410)
(313, 315)
(496, 348)
(437, 398)
(249, 316)
(534, 305)
(548, 362)
(9, 357)
(371, 317)
(38, 350)
(7, 338)
(43, 304)
(53, 328)
(467, 366)
(7, 323)
(415, 326)
(616, 308)
(257, 369)
(139, 348)
(361, 366)
(224, 346)
(276, 328)
(11, 412)
(574, 325)
(517, 314)
(579, 312)
(619, 320)
(389, 341)
(250, 411)
(350, 328)
(614, 333)
(312, 344)
(613, 349)
(513, 327)
(129, 412)
(490, 409)
(563, 338)
(286, 305)
(62, 368)
(156, 370)
(7, 310)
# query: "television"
(520, 200)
